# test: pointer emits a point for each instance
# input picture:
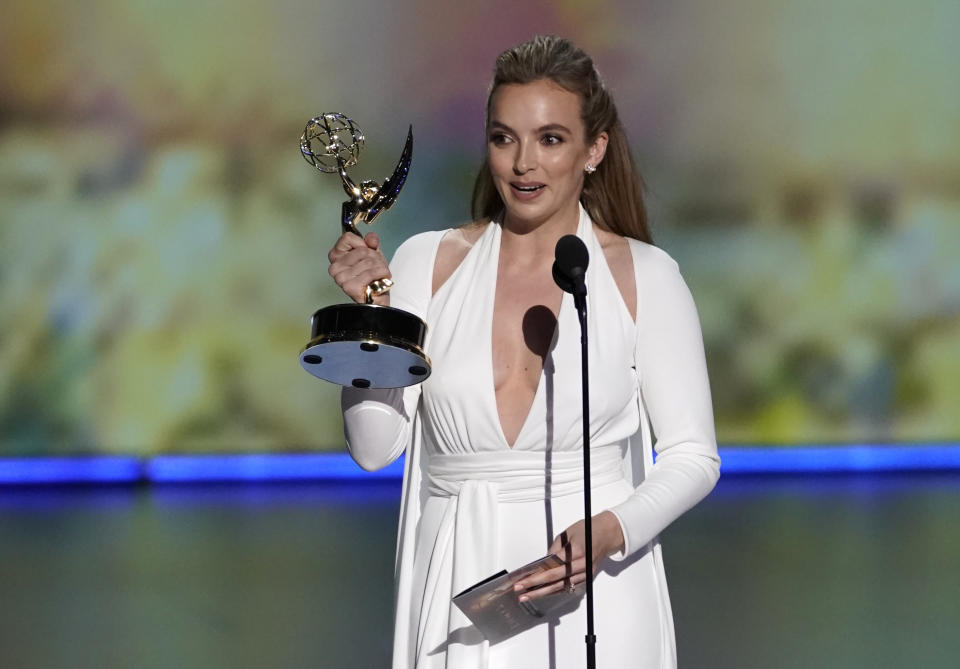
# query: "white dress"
(472, 505)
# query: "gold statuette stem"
(376, 289)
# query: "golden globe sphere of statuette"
(331, 141)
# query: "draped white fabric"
(472, 505)
(474, 484)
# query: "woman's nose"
(525, 160)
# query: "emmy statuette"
(361, 345)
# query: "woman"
(493, 438)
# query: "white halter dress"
(472, 505)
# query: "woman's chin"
(530, 214)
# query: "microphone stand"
(580, 300)
(569, 271)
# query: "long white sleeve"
(377, 423)
(676, 393)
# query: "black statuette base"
(366, 346)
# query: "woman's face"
(538, 150)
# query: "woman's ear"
(598, 149)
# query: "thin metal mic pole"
(569, 270)
(591, 638)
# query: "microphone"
(570, 265)
(569, 269)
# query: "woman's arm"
(377, 423)
(676, 393)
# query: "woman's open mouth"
(527, 191)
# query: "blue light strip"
(840, 459)
(340, 467)
(100, 469)
(280, 467)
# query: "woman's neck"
(537, 239)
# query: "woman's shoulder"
(649, 259)
(617, 253)
(448, 238)
(658, 274)
(415, 246)
(622, 251)
(638, 267)
(616, 248)
(465, 235)
(411, 270)
(453, 247)
(436, 254)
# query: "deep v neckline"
(535, 400)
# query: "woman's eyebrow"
(544, 128)
(554, 126)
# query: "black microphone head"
(570, 265)
(572, 255)
(566, 283)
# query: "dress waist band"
(471, 486)
(523, 476)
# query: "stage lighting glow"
(286, 467)
(46, 470)
(865, 458)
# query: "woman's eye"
(550, 140)
(498, 139)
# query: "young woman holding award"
(493, 437)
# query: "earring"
(589, 169)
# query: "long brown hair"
(613, 195)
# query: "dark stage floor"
(768, 572)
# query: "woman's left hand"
(569, 547)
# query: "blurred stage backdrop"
(162, 243)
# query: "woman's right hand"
(356, 262)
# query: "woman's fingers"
(567, 585)
(569, 546)
(372, 240)
(355, 262)
(363, 268)
(348, 242)
(569, 569)
(354, 283)
(566, 544)
(564, 577)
